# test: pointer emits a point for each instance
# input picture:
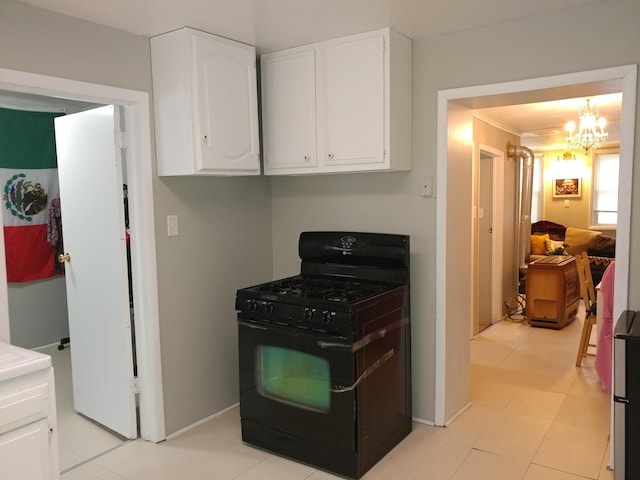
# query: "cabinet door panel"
(354, 101)
(25, 453)
(289, 109)
(226, 106)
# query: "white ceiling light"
(590, 134)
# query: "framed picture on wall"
(567, 188)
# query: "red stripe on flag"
(29, 256)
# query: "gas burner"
(319, 288)
(342, 297)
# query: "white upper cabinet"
(354, 101)
(289, 109)
(338, 106)
(205, 102)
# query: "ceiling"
(541, 125)
(277, 24)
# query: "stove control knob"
(308, 313)
(268, 308)
(253, 305)
(327, 316)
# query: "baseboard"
(424, 421)
(200, 422)
(460, 412)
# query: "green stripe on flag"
(27, 139)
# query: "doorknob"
(64, 257)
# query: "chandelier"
(590, 134)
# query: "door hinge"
(135, 386)
(121, 140)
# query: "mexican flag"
(28, 184)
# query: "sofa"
(549, 238)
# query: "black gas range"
(325, 374)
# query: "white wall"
(225, 224)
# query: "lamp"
(588, 136)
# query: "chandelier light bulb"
(588, 137)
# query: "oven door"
(299, 382)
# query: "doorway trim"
(139, 176)
(448, 372)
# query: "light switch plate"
(172, 225)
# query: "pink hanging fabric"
(605, 338)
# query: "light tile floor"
(533, 416)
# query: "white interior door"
(91, 197)
(485, 234)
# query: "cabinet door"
(289, 109)
(225, 103)
(354, 101)
(25, 453)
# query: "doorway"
(85, 431)
(139, 175)
(488, 237)
(454, 155)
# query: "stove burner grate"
(332, 290)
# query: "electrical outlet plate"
(426, 186)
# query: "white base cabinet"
(343, 105)
(205, 104)
(28, 428)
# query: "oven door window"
(296, 378)
(289, 379)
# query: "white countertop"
(16, 361)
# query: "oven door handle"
(344, 346)
(367, 339)
(372, 368)
(252, 325)
(357, 345)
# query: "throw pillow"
(579, 240)
(554, 247)
(538, 246)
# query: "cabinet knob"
(306, 158)
(64, 257)
(330, 156)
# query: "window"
(293, 377)
(605, 188)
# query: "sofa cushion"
(554, 230)
(579, 240)
(604, 246)
(538, 246)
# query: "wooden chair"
(588, 294)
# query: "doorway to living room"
(454, 159)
